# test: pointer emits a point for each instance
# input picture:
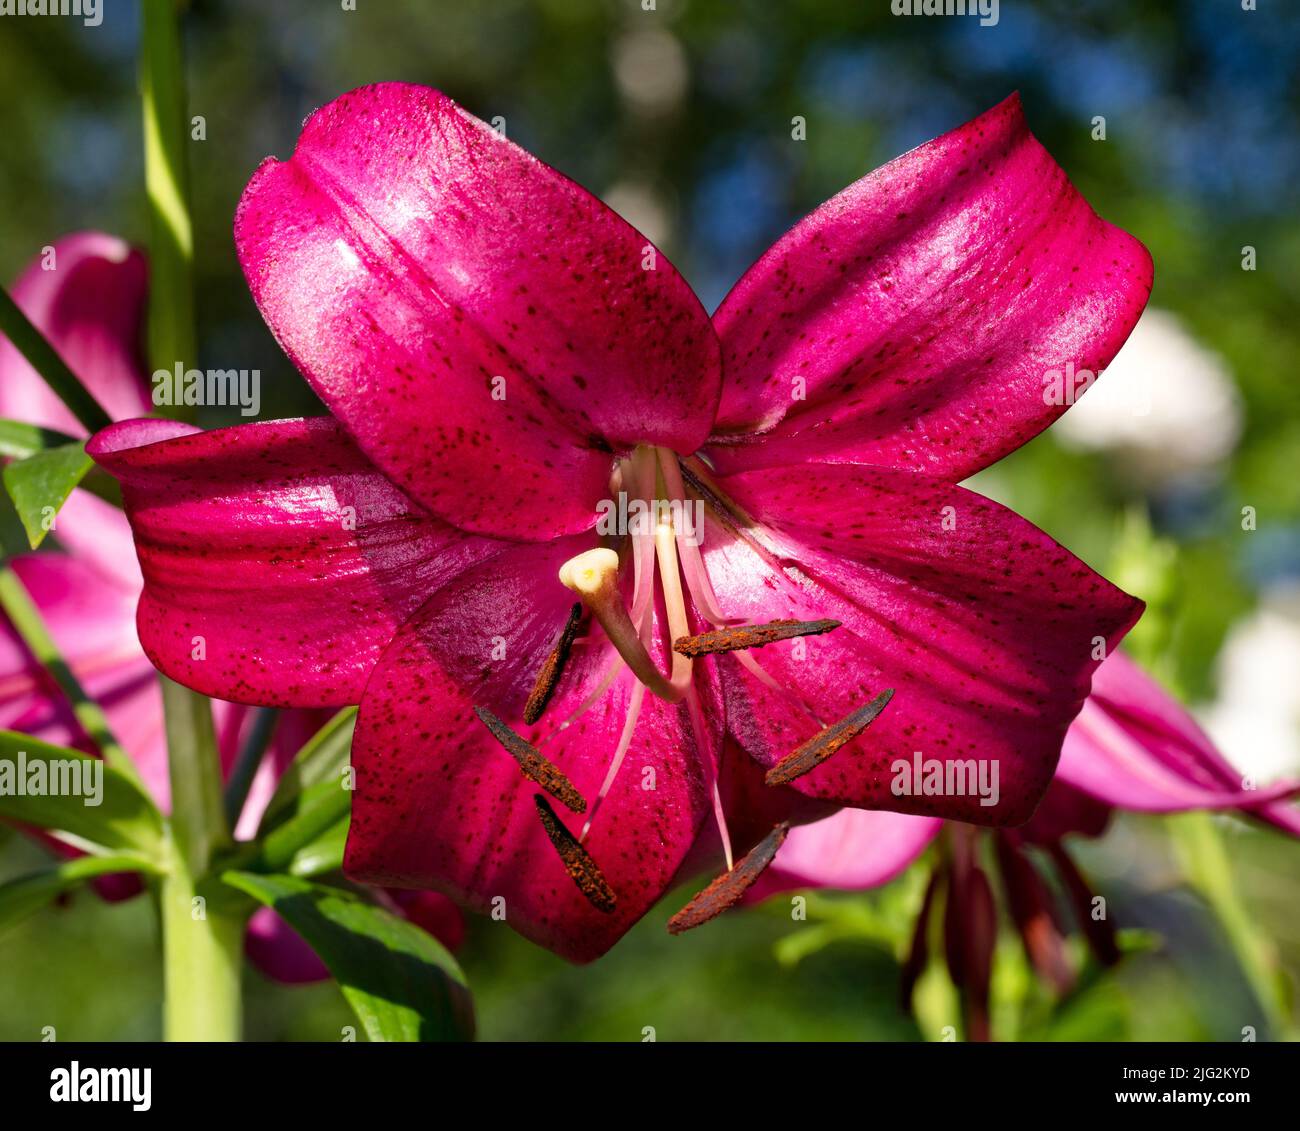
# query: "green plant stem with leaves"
(202, 926)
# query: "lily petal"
(97, 532)
(1064, 811)
(440, 805)
(912, 320)
(1135, 747)
(278, 562)
(486, 329)
(984, 627)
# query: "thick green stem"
(172, 336)
(201, 941)
(42, 357)
(30, 626)
(202, 926)
(198, 814)
(202, 959)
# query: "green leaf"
(125, 816)
(28, 894)
(45, 359)
(321, 759)
(19, 440)
(40, 484)
(402, 983)
(324, 854)
(315, 812)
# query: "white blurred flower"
(650, 69)
(1256, 718)
(1166, 406)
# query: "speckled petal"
(984, 627)
(486, 329)
(440, 805)
(278, 562)
(912, 320)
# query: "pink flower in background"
(1133, 747)
(501, 355)
(91, 307)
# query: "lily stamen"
(582, 869)
(536, 768)
(674, 600)
(552, 668)
(726, 891)
(749, 636)
(820, 747)
(693, 570)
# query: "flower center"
(659, 522)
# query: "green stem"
(198, 815)
(172, 337)
(203, 937)
(201, 954)
(30, 626)
(42, 357)
(202, 930)
(1205, 862)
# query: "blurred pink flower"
(91, 308)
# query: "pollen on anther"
(549, 675)
(749, 636)
(582, 869)
(534, 764)
(726, 891)
(821, 746)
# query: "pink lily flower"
(509, 366)
(91, 307)
(1133, 747)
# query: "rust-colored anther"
(749, 636)
(582, 869)
(553, 668)
(821, 746)
(726, 891)
(535, 767)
